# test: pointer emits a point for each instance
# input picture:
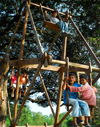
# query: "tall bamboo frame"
(38, 63)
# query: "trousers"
(63, 26)
(80, 108)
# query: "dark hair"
(84, 76)
(54, 11)
(15, 72)
(72, 74)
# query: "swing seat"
(50, 25)
(92, 108)
(65, 104)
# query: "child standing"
(13, 82)
(63, 25)
(25, 84)
(22, 82)
(77, 103)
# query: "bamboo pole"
(19, 68)
(53, 42)
(47, 8)
(9, 112)
(26, 125)
(27, 93)
(17, 92)
(35, 31)
(61, 78)
(85, 42)
(46, 94)
(96, 78)
(67, 74)
(15, 32)
(65, 116)
(35, 61)
(45, 124)
(90, 74)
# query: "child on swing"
(23, 84)
(77, 103)
(88, 92)
(63, 25)
(13, 81)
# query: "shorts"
(14, 85)
(20, 86)
(24, 86)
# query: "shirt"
(14, 79)
(52, 19)
(87, 93)
(73, 95)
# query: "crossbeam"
(46, 8)
(33, 63)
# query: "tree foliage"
(36, 118)
(83, 15)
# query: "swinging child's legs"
(63, 27)
(20, 88)
(25, 89)
(14, 87)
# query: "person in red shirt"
(13, 82)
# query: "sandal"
(12, 95)
(88, 125)
(75, 125)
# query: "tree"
(25, 116)
(84, 16)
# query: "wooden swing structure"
(44, 63)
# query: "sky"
(45, 111)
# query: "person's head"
(54, 14)
(24, 74)
(83, 79)
(16, 73)
(72, 78)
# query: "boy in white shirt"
(63, 25)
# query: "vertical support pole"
(61, 78)
(90, 74)
(3, 87)
(42, 12)
(67, 73)
(78, 76)
(9, 109)
(19, 68)
(45, 124)
(77, 73)
(26, 125)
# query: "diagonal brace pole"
(85, 42)
(15, 32)
(53, 42)
(65, 116)
(46, 94)
(35, 31)
(27, 93)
